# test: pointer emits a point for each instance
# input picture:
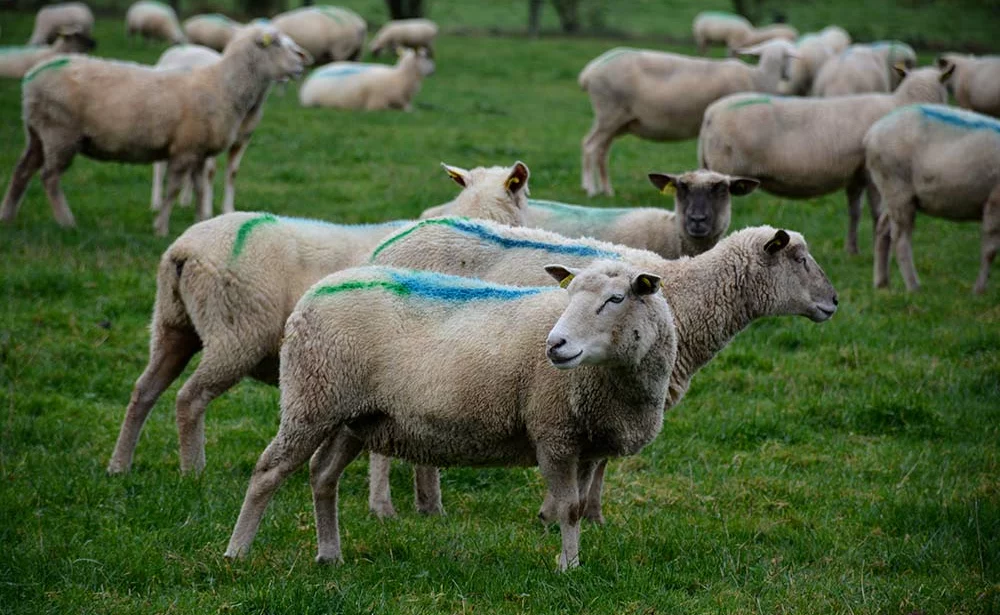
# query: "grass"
(848, 467)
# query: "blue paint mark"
(456, 288)
(960, 118)
(482, 232)
(323, 223)
(335, 71)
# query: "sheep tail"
(170, 309)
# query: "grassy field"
(848, 467)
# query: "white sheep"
(153, 20)
(411, 364)
(52, 18)
(329, 33)
(940, 161)
(813, 50)
(857, 70)
(506, 208)
(662, 96)
(210, 30)
(16, 61)
(226, 287)
(132, 113)
(895, 53)
(806, 147)
(370, 87)
(751, 274)
(719, 27)
(412, 33)
(975, 82)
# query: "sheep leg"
(170, 351)
(31, 160)
(57, 160)
(177, 171)
(159, 172)
(855, 190)
(379, 493)
(883, 245)
(991, 240)
(592, 500)
(293, 445)
(201, 177)
(427, 490)
(325, 469)
(902, 232)
(232, 168)
(561, 478)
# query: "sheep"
(836, 38)
(186, 57)
(329, 33)
(131, 113)
(440, 389)
(753, 273)
(975, 82)
(153, 20)
(895, 53)
(506, 208)
(777, 31)
(369, 87)
(662, 96)
(813, 50)
(719, 27)
(412, 33)
(864, 68)
(52, 18)
(803, 148)
(941, 161)
(212, 30)
(226, 287)
(16, 61)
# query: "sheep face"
(280, 57)
(611, 315)
(702, 199)
(798, 284)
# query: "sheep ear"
(561, 274)
(742, 186)
(664, 182)
(942, 62)
(458, 175)
(776, 243)
(646, 284)
(947, 72)
(264, 40)
(900, 69)
(518, 178)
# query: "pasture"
(847, 467)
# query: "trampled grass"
(848, 467)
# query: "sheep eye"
(616, 298)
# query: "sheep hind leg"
(291, 447)
(379, 491)
(233, 160)
(901, 229)
(202, 177)
(325, 469)
(427, 490)
(156, 198)
(31, 160)
(991, 240)
(883, 248)
(592, 499)
(177, 171)
(170, 351)
(57, 160)
(855, 190)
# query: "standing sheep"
(131, 113)
(369, 87)
(719, 27)
(15, 62)
(213, 31)
(807, 147)
(975, 81)
(943, 162)
(508, 208)
(52, 18)
(753, 273)
(412, 33)
(226, 287)
(153, 20)
(857, 70)
(662, 96)
(329, 33)
(440, 389)
(813, 50)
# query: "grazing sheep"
(369, 87)
(813, 50)
(778, 31)
(505, 207)
(857, 70)
(226, 287)
(412, 33)
(662, 96)
(52, 18)
(718, 27)
(127, 112)
(940, 161)
(440, 389)
(753, 273)
(975, 82)
(329, 33)
(16, 61)
(806, 147)
(213, 30)
(153, 20)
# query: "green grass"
(848, 467)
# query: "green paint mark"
(394, 287)
(337, 14)
(246, 228)
(747, 102)
(617, 52)
(391, 240)
(52, 64)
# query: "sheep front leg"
(902, 232)
(201, 178)
(592, 499)
(427, 490)
(159, 172)
(561, 478)
(233, 160)
(325, 469)
(31, 160)
(991, 240)
(855, 190)
(379, 491)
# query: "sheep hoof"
(327, 560)
(383, 511)
(115, 469)
(597, 518)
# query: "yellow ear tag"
(669, 190)
(565, 281)
(511, 181)
(455, 176)
(266, 40)
(646, 284)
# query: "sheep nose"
(835, 301)
(555, 343)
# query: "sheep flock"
(631, 302)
